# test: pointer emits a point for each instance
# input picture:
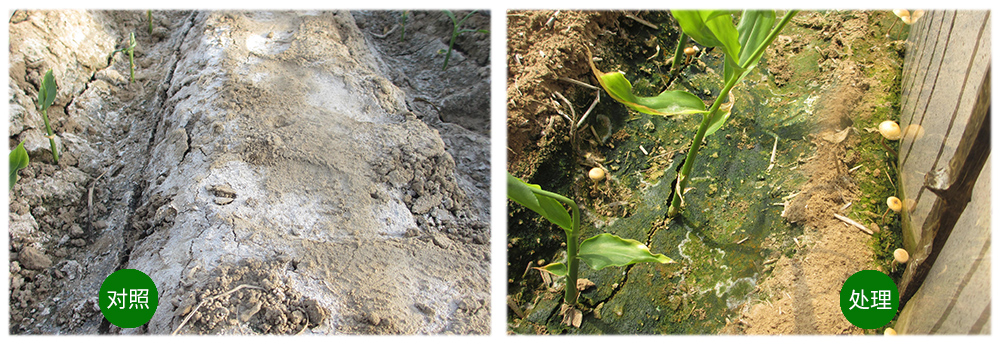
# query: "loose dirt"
(276, 150)
(803, 294)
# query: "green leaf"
(521, 192)
(18, 160)
(606, 250)
(753, 29)
(47, 92)
(558, 269)
(667, 103)
(711, 28)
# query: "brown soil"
(538, 55)
(801, 296)
(803, 293)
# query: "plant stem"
(454, 35)
(679, 52)
(131, 57)
(149, 15)
(682, 176)
(572, 246)
(48, 130)
(402, 36)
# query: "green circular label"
(869, 299)
(128, 298)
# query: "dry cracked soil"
(328, 172)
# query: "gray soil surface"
(336, 172)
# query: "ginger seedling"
(457, 30)
(47, 95)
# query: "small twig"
(846, 205)
(570, 106)
(203, 301)
(578, 82)
(303, 328)
(593, 131)
(560, 111)
(643, 149)
(383, 36)
(774, 149)
(853, 223)
(743, 241)
(657, 53)
(591, 108)
(854, 168)
(893, 151)
(549, 22)
(890, 178)
(790, 196)
(641, 21)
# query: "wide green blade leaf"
(667, 103)
(18, 160)
(47, 92)
(558, 269)
(753, 29)
(711, 28)
(672, 103)
(549, 208)
(606, 250)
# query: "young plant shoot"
(742, 44)
(130, 50)
(455, 31)
(402, 25)
(600, 251)
(18, 160)
(47, 95)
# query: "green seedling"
(18, 161)
(457, 30)
(130, 50)
(149, 16)
(742, 44)
(600, 251)
(47, 95)
(402, 24)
